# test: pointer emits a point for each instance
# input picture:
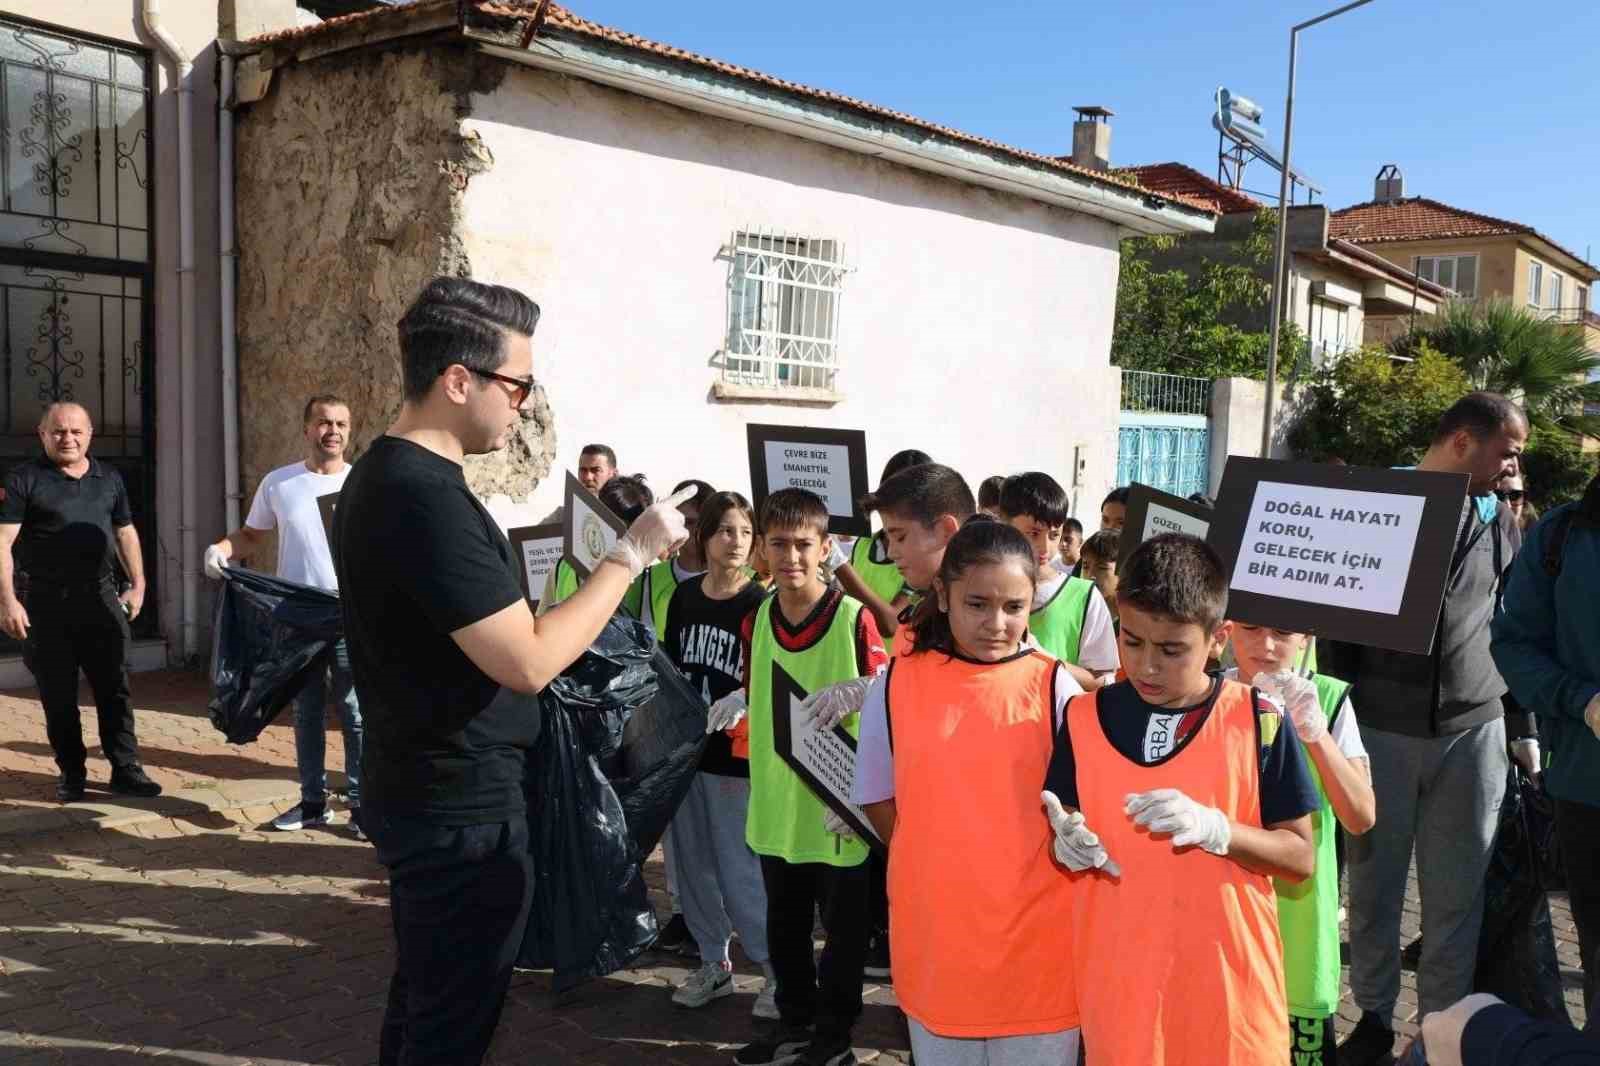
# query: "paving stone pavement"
(189, 934)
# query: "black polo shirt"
(68, 524)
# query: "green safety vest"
(882, 577)
(662, 580)
(567, 583)
(1308, 913)
(1058, 625)
(784, 818)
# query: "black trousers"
(459, 897)
(72, 628)
(1312, 1041)
(1578, 831)
(827, 994)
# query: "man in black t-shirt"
(448, 661)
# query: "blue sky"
(1488, 106)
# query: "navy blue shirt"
(68, 524)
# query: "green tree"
(1555, 468)
(1370, 409)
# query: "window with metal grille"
(783, 310)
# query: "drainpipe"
(189, 616)
(226, 274)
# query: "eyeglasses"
(1513, 495)
(524, 386)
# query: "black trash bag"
(622, 738)
(267, 638)
(1517, 946)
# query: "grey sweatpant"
(1042, 1049)
(718, 876)
(1443, 795)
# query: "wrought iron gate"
(1163, 433)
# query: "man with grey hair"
(68, 517)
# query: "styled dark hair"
(989, 492)
(1116, 496)
(600, 449)
(1178, 577)
(1072, 525)
(322, 399)
(1034, 495)
(1481, 414)
(982, 540)
(1106, 545)
(923, 493)
(702, 491)
(904, 461)
(714, 510)
(457, 320)
(626, 496)
(794, 509)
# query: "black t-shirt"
(68, 524)
(418, 558)
(703, 640)
(1150, 735)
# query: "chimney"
(1390, 185)
(1091, 138)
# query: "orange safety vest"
(1179, 961)
(980, 916)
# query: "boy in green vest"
(820, 636)
(662, 579)
(1308, 912)
(1070, 620)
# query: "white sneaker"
(767, 1000)
(711, 981)
(295, 818)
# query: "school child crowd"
(1100, 847)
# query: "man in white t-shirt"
(288, 500)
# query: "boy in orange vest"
(1193, 787)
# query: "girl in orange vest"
(955, 738)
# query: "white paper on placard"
(1338, 547)
(1159, 520)
(820, 468)
(829, 758)
(592, 538)
(539, 557)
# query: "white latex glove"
(1076, 846)
(833, 823)
(659, 530)
(1591, 716)
(1443, 1029)
(839, 554)
(215, 562)
(1169, 812)
(832, 705)
(1526, 754)
(1299, 700)
(727, 712)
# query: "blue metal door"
(1168, 452)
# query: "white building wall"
(975, 325)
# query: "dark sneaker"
(357, 830)
(70, 789)
(829, 1051)
(1371, 1043)
(785, 1045)
(133, 781)
(877, 964)
(302, 816)
(674, 936)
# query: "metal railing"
(1169, 394)
(1573, 315)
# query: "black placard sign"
(1357, 554)
(826, 762)
(538, 548)
(326, 505)
(1152, 512)
(829, 462)
(589, 529)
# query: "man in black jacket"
(1434, 727)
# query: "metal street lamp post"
(1279, 253)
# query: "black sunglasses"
(524, 386)
(1514, 495)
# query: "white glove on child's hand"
(1591, 715)
(215, 562)
(1076, 846)
(832, 705)
(1169, 812)
(839, 554)
(1526, 754)
(833, 823)
(727, 712)
(1299, 700)
(659, 530)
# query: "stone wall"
(351, 175)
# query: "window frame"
(1535, 283)
(1431, 274)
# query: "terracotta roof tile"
(560, 18)
(1178, 179)
(1417, 218)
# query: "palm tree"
(1544, 365)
